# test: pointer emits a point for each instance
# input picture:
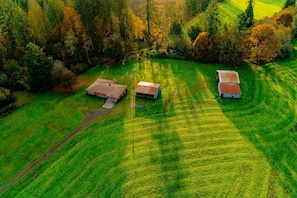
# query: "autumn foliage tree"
(229, 46)
(265, 45)
(285, 18)
(73, 34)
(62, 76)
(203, 47)
(40, 26)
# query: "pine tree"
(151, 13)
(39, 68)
(250, 14)
(212, 18)
(289, 3)
(246, 19)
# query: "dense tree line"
(46, 43)
(247, 40)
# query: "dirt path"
(90, 116)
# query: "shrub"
(3, 79)
(78, 68)
(5, 97)
(62, 76)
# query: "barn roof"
(230, 88)
(227, 76)
(147, 88)
(108, 88)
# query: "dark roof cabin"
(107, 89)
(228, 84)
(147, 90)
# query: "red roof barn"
(228, 84)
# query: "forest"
(47, 43)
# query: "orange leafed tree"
(203, 47)
(73, 33)
(285, 17)
(72, 23)
(265, 44)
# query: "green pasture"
(188, 143)
(34, 128)
(230, 9)
(23, 97)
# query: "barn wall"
(231, 95)
(141, 95)
(157, 94)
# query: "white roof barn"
(148, 90)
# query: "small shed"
(229, 90)
(228, 84)
(148, 90)
(227, 76)
(107, 89)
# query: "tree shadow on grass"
(165, 135)
(267, 119)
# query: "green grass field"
(185, 144)
(229, 10)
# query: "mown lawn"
(230, 9)
(35, 127)
(185, 144)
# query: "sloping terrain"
(188, 143)
(230, 9)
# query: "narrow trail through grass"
(90, 116)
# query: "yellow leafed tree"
(39, 24)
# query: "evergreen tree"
(250, 14)
(229, 46)
(123, 18)
(151, 13)
(54, 10)
(212, 18)
(193, 7)
(246, 19)
(39, 68)
(176, 29)
(289, 3)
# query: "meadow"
(229, 10)
(188, 143)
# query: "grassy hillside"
(185, 144)
(231, 8)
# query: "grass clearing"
(185, 144)
(230, 9)
(38, 125)
(23, 97)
